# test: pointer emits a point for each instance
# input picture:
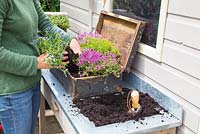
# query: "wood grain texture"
(88, 86)
(124, 32)
(60, 115)
(42, 117)
(168, 131)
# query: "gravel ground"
(52, 126)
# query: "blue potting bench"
(72, 122)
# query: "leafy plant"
(96, 42)
(50, 5)
(82, 38)
(99, 57)
(61, 21)
(92, 63)
(54, 46)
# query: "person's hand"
(41, 64)
(75, 46)
(65, 57)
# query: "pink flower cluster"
(94, 63)
(90, 56)
(83, 37)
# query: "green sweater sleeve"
(45, 24)
(13, 62)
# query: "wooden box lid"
(125, 32)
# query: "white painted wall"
(178, 73)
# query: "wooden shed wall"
(178, 73)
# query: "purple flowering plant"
(99, 56)
(92, 63)
(84, 37)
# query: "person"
(20, 63)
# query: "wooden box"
(126, 33)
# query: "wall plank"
(76, 13)
(97, 6)
(95, 18)
(178, 75)
(77, 27)
(188, 8)
(84, 4)
(191, 117)
(183, 30)
(177, 82)
(182, 58)
(184, 130)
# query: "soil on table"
(112, 108)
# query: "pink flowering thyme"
(84, 37)
(92, 63)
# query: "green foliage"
(61, 21)
(93, 63)
(54, 46)
(50, 5)
(101, 45)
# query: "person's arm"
(13, 62)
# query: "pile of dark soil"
(112, 108)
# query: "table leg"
(42, 118)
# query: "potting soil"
(112, 108)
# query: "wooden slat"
(199, 129)
(183, 30)
(184, 130)
(182, 58)
(76, 13)
(177, 82)
(42, 120)
(84, 4)
(185, 7)
(95, 19)
(168, 131)
(77, 26)
(97, 6)
(59, 114)
(49, 113)
(191, 117)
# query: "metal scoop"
(133, 102)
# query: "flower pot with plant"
(105, 56)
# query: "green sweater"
(19, 23)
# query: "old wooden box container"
(126, 34)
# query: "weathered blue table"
(72, 122)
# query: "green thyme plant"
(61, 21)
(54, 46)
(99, 44)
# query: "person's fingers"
(65, 53)
(65, 58)
(75, 46)
(41, 62)
(44, 56)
